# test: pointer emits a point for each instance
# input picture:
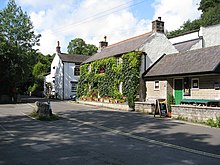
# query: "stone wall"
(145, 107)
(206, 88)
(160, 93)
(107, 105)
(195, 113)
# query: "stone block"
(43, 109)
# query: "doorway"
(178, 90)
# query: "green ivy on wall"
(95, 83)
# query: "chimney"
(103, 44)
(158, 26)
(58, 47)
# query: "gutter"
(160, 77)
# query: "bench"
(201, 102)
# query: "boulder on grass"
(43, 109)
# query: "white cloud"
(174, 13)
(91, 20)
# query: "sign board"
(161, 107)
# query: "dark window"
(77, 70)
(102, 70)
(73, 86)
(54, 67)
(195, 83)
(186, 86)
(157, 85)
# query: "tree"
(186, 27)
(39, 70)
(17, 39)
(78, 46)
(205, 5)
(210, 16)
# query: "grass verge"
(35, 115)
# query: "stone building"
(192, 74)
(153, 45)
(158, 87)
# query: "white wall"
(183, 38)
(68, 77)
(59, 70)
(58, 73)
(211, 35)
(155, 47)
(54, 70)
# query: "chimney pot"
(58, 47)
(158, 25)
(103, 44)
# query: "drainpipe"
(201, 37)
(142, 82)
(145, 63)
(63, 80)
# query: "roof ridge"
(66, 54)
(194, 50)
(128, 39)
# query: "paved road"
(91, 136)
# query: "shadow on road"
(68, 141)
(33, 99)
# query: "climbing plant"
(103, 77)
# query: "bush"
(211, 123)
(214, 123)
(170, 101)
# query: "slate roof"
(119, 48)
(187, 45)
(73, 58)
(200, 61)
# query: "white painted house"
(64, 75)
(153, 45)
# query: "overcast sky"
(91, 20)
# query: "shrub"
(170, 101)
(214, 123)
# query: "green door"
(178, 87)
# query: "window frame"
(156, 87)
(119, 60)
(192, 83)
(77, 71)
(121, 87)
(73, 88)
